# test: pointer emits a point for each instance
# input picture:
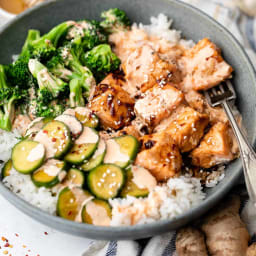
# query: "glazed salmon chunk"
(188, 129)
(144, 69)
(215, 148)
(158, 103)
(112, 104)
(204, 66)
(160, 155)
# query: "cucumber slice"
(121, 150)
(73, 124)
(36, 125)
(97, 157)
(74, 177)
(84, 147)
(97, 212)
(27, 156)
(6, 169)
(49, 174)
(105, 181)
(86, 117)
(71, 201)
(131, 189)
(55, 136)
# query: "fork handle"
(247, 154)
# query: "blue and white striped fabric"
(244, 29)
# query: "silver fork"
(221, 95)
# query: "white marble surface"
(32, 235)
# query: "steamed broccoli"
(45, 105)
(46, 80)
(101, 61)
(57, 67)
(8, 97)
(70, 56)
(51, 110)
(76, 93)
(18, 73)
(90, 33)
(45, 47)
(115, 20)
(32, 36)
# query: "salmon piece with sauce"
(112, 104)
(160, 155)
(188, 128)
(204, 66)
(215, 148)
(144, 69)
(129, 130)
(158, 103)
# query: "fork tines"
(223, 92)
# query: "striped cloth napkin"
(243, 27)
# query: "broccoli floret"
(115, 20)
(101, 61)
(18, 73)
(90, 33)
(70, 58)
(46, 80)
(32, 36)
(45, 47)
(8, 97)
(76, 93)
(51, 110)
(57, 67)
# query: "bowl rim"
(154, 227)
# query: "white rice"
(7, 141)
(215, 177)
(23, 186)
(164, 202)
(161, 27)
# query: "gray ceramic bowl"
(195, 25)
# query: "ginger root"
(190, 242)
(225, 232)
(251, 251)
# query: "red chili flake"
(46, 233)
(54, 139)
(58, 128)
(69, 213)
(7, 245)
(16, 234)
(45, 131)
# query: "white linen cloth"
(243, 28)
